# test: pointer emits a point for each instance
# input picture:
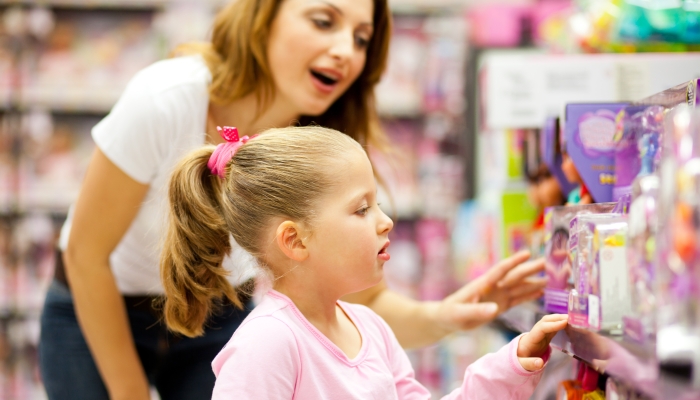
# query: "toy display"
(678, 268)
(640, 324)
(609, 293)
(589, 150)
(583, 258)
(558, 266)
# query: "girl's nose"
(385, 224)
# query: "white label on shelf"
(632, 80)
(614, 285)
(593, 311)
(521, 89)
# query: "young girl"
(303, 202)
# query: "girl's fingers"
(515, 275)
(555, 317)
(550, 327)
(531, 363)
(525, 298)
(527, 287)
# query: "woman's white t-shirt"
(160, 117)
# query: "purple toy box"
(589, 132)
(551, 153)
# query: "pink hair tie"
(224, 152)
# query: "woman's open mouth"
(325, 81)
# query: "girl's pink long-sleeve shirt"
(277, 354)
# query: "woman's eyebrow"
(333, 6)
(339, 11)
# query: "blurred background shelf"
(91, 4)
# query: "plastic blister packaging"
(639, 326)
(582, 253)
(678, 256)
(609, 293)
(558, 264)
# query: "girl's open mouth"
(383, 253)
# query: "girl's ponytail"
(196, 242)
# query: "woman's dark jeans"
(178, 367)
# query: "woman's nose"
(343, 45)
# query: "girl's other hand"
(534, 344)
(511, 282)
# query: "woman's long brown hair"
(237, 59)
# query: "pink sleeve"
(495, 376)
(261, 361)
(499, 375)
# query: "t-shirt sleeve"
(134, 134)
(260, 362)
(499, 375)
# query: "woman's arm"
(108, 202)
(416, 323)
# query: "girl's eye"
(322, 23)
(362, 211)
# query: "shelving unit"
(631, 363)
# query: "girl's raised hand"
(534, 344)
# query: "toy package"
(678, 255)
(639, 325)
(589, 145)
(608, 286)
(582, 232)
(685, 93)
(638, 137)
(558, 265)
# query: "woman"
(271, 63)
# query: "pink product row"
(420, 264)
(22, 291)
(19, 369)
(47, 172)
(425, 70)
(78, 52)
(633, 267)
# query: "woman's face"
(317, 49)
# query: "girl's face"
(317, 49)
(348, 246)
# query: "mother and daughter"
(298, 201)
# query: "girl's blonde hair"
(281, 173)
(237, 59)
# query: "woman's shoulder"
(180, 73)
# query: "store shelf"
(629, 362)
(91, 4)
(423, 7)
(71, 100)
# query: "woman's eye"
(322, 23)
(361, 42)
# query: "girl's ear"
(289, 240)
